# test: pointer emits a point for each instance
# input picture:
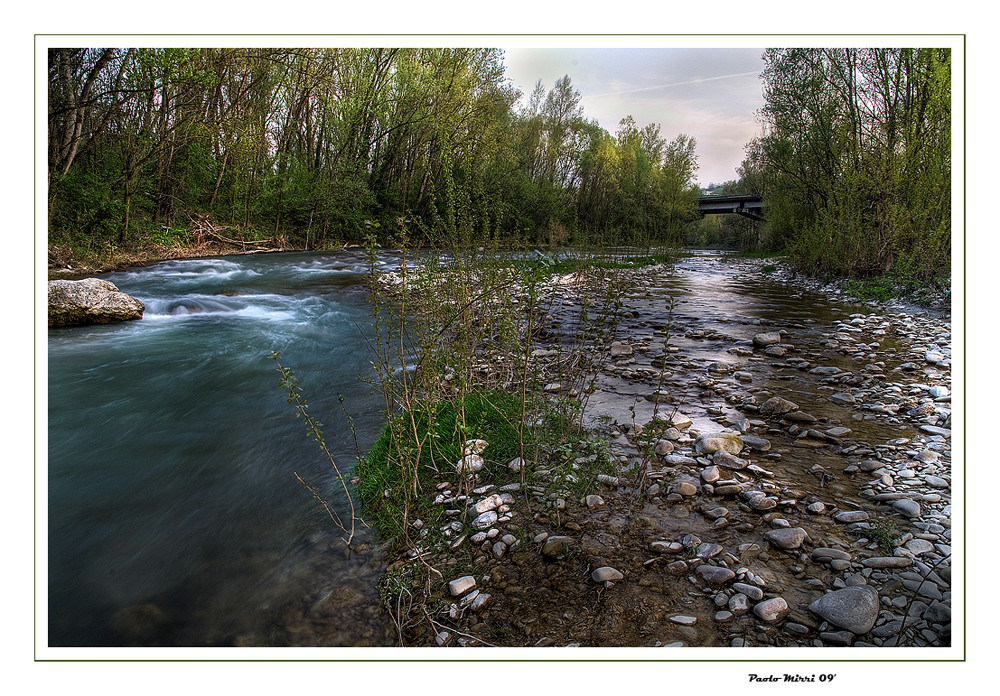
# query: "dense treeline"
(855, 160)
(323, 146)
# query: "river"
(174, 513)
(175, 516)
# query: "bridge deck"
(748, 205)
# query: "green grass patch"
(405, 460)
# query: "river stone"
(790, 538)
(842, 398)
(715, 575)
(739, 604)
(849, 516)
(684, 488)
(935, 481)
(919, 546)
(755, 443)
(485, 520)
(725, 459)
(822, 553)
(771, 610)
(887, 562)
(825, 370)
(553, 546)
(607, 574)
(469, 464)
(769, 338)
(907, 507)
(666, 546)
(853, 608)
(663, 446)
(716, 442)
(90, 301)
(762, 502)
(776, 406)
(751, 591)
(710, 474)
(487, 504)
(461, 585)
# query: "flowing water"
(175, 517)
(174, 512)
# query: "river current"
(175, 517)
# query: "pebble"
(771, 610)
(786, 538)
(607, 574)
(461, 585)
(715, 575)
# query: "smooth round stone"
(716, 513)
(816, 508)
(724, 616)
(771, 610)
(677, 567)
(607, 574)
(849, 516)
(663, 447)
(786, 538)
(729, 461)
(685, 489)
(751, 591)
(715, 575)
(710, 474)
(935, 481)
(852, 608)
(594, 501)
(907, 507)
(822, 553)
(684, 620)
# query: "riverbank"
(820, 517)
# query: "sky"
(711, 94)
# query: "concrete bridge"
(746, 204)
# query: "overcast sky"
(711, 94)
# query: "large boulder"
(90, 301)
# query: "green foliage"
(309, 143)
(855, 164)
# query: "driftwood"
(204, 232)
